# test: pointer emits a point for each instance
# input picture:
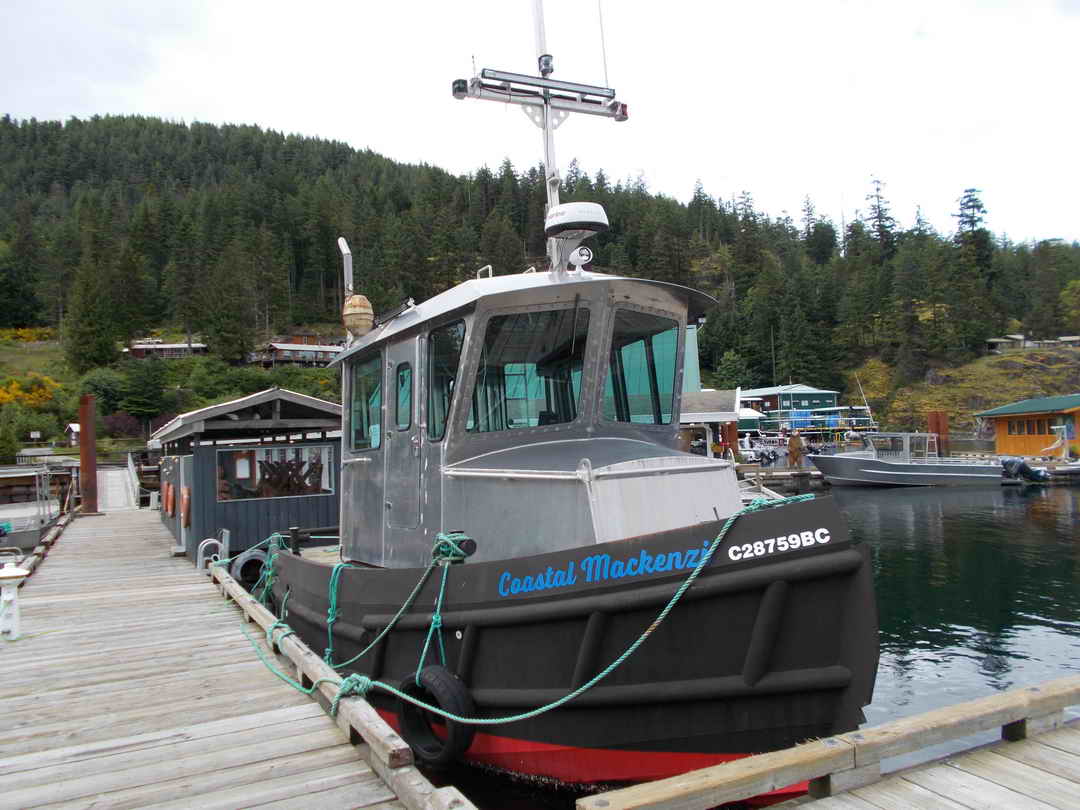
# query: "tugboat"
(525, 427)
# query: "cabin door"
(402, 436)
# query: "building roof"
(74, 427)
(796, 388)
(274, 410)
(305, 347)
(709, 406)
(167, 345)
(1066, 402)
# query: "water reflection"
(977, 589)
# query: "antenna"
(547, 102)
(869, 413)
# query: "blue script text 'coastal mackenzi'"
(602, 567)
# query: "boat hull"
(775, 643)
(844, 470)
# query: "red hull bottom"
(569, 765)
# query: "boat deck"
(133, 685)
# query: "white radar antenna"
(548, 102)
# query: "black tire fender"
(439, 687)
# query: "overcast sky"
(782, 99)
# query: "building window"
(275, 472)
(1042, 427)
(365, 410)
(1012, 427)
(640, 383)
(530, 370)
(1031, 427)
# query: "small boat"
(912, 460)
(525, 548)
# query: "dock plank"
(970, 790)
(897, 794)
(1036, 752)
(1032, 782)
(134, 685)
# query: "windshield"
(530, 370)
(640, 382)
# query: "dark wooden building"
(254, 466)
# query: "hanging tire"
(439, 687)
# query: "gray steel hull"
(863, 471)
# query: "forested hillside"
(114, 225)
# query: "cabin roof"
(1067, 402)
(469, 292)
(271, 411)
(304, 347)
(796, 388)
(709, 406)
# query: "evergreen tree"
(229, 334)
(731, 372)
(143, 390)
(20, 264)
(500, 246)
(1044, 320)
(971, 211)
(89, 332)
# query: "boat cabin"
(535, 412)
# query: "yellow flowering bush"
(34, 391)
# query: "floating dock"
(133, 685)
(1036, 765)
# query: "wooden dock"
(133, 685)
(1036, 765)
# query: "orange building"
(1025, 428)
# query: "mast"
(548, 102)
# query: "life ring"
(441, 688)
(170, 499)
(185, 507)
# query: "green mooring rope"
(360, 685)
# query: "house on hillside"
(1026, 428)
(1014, 343)
(295, 354)
(309, 337)
(166, 351)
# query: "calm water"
(978, 591)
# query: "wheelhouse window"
(444, 354)
(365, 406)
(640, 382)
(530, 370)
(404, 397)
(275, 472)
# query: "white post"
(10, 578)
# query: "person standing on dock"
(795, 450)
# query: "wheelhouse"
(469, 411)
